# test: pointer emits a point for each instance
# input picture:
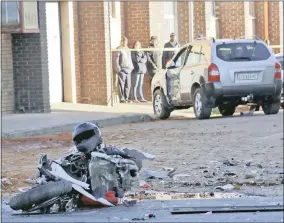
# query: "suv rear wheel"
(200, 105)
(227, 110)
(159, 105)
(271, 108)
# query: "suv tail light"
(277, 71)
(213, 73)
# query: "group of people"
(138, 63)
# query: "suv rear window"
(242, 52)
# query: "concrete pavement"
(65, 116)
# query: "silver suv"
(220, 73)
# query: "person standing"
(153, 58)
(139, 60)
(168, 55)
(124, 67)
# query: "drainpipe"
(265, 13)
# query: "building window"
(251, 9)
(10, 12)
(113, 10)
(19, 17)
(213, 9)
(170, 19)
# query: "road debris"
(129, 203)
(226, 187)
(6, 181)
(230, 162)
(30, 181)
(149, 174)
(168, 169)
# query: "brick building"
(70, 58)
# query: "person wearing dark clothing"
(153, 58)
(168, 55)
(124, 67)
(139, 60)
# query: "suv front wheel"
(200, 105)
(227, 110)
(159, 105)
(271, 108)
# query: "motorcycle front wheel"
(39, 194)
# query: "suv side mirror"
(171, 65)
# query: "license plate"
(247, 76)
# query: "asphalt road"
(188, 145)
(162, 211)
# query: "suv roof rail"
(207, 38)
(255, 37)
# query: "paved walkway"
(65, 116)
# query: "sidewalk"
(65, 116)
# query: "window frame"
(194, 52)
(20, 28)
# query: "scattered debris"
(151, 215)
(149, 174)
(275, 171)
(129, 203)
(145, 217)
(168, 168)
(184, 163)
(237, 187)
(146, 186)
(259, 166)
(24, 189)
(229, 163)
(250, 113)
(180, 176)
(30, 181)
(138, 219)
(226, 187)
(248, 163)
(229, 174)
(6, 181)
(143, 184)
(249, 176)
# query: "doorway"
(54, 52)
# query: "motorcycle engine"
(111, 172)
(76, 165)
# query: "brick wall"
(138, 24)
(7, 82)
(273, 23)
(183, 22)
(231, 19)
(259, 19)
(94, 52)
(77, 51)
(30, 68)
(122, 18)
(199, 18)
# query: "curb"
(69, 127)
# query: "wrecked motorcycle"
(78, 179)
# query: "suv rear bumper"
(217, 91)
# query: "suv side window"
(194, 55)
(180, 58)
